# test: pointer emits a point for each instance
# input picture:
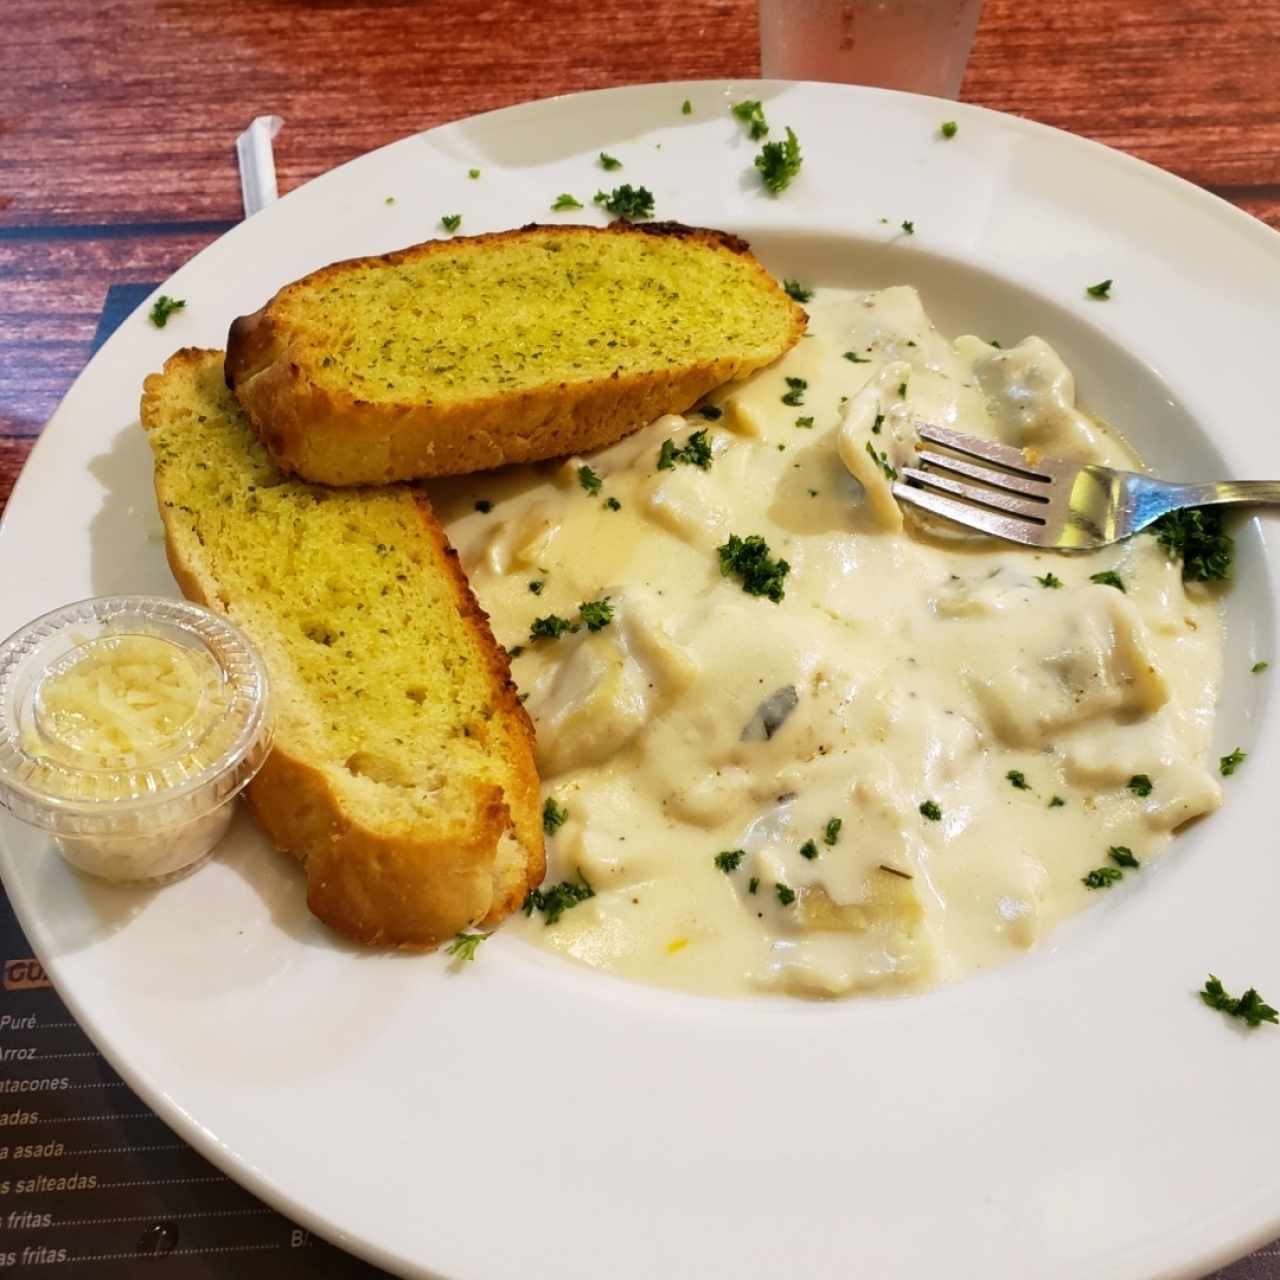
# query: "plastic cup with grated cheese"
(128, 726)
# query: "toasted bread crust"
(400, 891)
(331, 437)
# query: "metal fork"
(1050, 502)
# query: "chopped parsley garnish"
(1259, 667)
(686, 108)
(831, 832)
(748, 558)
(877, 424)
(451, 222)
(1057, 802)
(795, 395)
(949, 129)
(1107, 578)
(804, 422)
(779, 162)
(1251, 1006)
(753, 884)
(565, 201)
(909, 228)
(710, 412)
(613, 504)
(902, 390)
(751, 113)
(596, 614)
(1100, 290)
(552, 627)
(882, 461)
(389, 200)
(463, 947)
(484, 506)
(786, 894)
(1018, 779)
(554, 816)
(854, 358)
(1050, 580)
(589, 480)
(794, 289)
(931, 811)
(1230, 763)
(1196, 535)
(695, 452)
(536, 586)
(1102, 877)
(554, 902)
(634, 204)
(1122, 856)
(609, 162)
(163, 307)
(809, 850)
(729, 859)
(473, 173)
(1139, 784)
(514, 652)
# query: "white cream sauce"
(905, 664)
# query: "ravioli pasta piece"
(1084, 655)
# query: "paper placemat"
(92, 1183)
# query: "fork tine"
(996, 479)
(988, 450)
(999, 499)
(998, 526)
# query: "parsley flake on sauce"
(1018, 780)
(931, 811)
(463, 947)
(695, 452)
(451, 222)
(748, 559)
(1251, 1006)
(596, 614)
(1196, 536)
(1230, 763)
(632, 204)
(484, 506)
(589, 480)
(804, 422)
(710, 412)
(753, 884)
(536, 586)
(1050, 580)
(1100, 290)
(795, 395)
(882, 461)
(552, 627)
(909, 228)
(473, 173)
(949, 129)
(1122, 856)
(554, 902)
(786, 894)
(877, 424)
(1140, 784)
(1107, 578)
(809, 850)
(779, 162)
(729, 859)
(1057, 802)
(612, 503)
(1259, 667)
(565, 201)
(831, 832)
(854, 358)
(794, 289)
(1102, 877)
(686, 108)
(609, 162)
(163, 307)
(751, 113)
(554, 816)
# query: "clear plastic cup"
(128, 725)
(918, 45)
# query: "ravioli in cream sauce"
(919, 751)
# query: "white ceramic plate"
(1076, 1114)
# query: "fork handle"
(1230, 493)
